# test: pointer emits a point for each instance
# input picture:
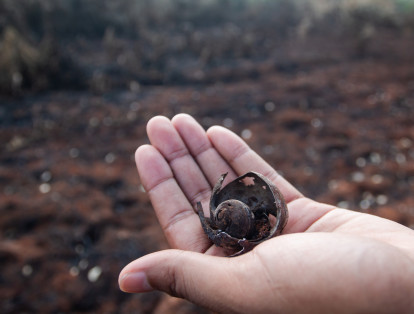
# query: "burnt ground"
(72, 212)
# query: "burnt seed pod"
(247, 211)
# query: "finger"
(176, 216)
(199, 145)
(187, 173)
(209, 281)
(243, 159)
(337, 268)
(303, 212)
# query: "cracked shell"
(246, 212)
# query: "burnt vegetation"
(105, 45)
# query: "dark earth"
(335, 117)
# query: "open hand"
(327, 260)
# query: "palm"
(328, 260)
(184, 162)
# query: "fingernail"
(135, 282)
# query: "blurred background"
(322, 89)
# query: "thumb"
(206, 280)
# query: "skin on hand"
(328, 260)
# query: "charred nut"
(241, 213)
